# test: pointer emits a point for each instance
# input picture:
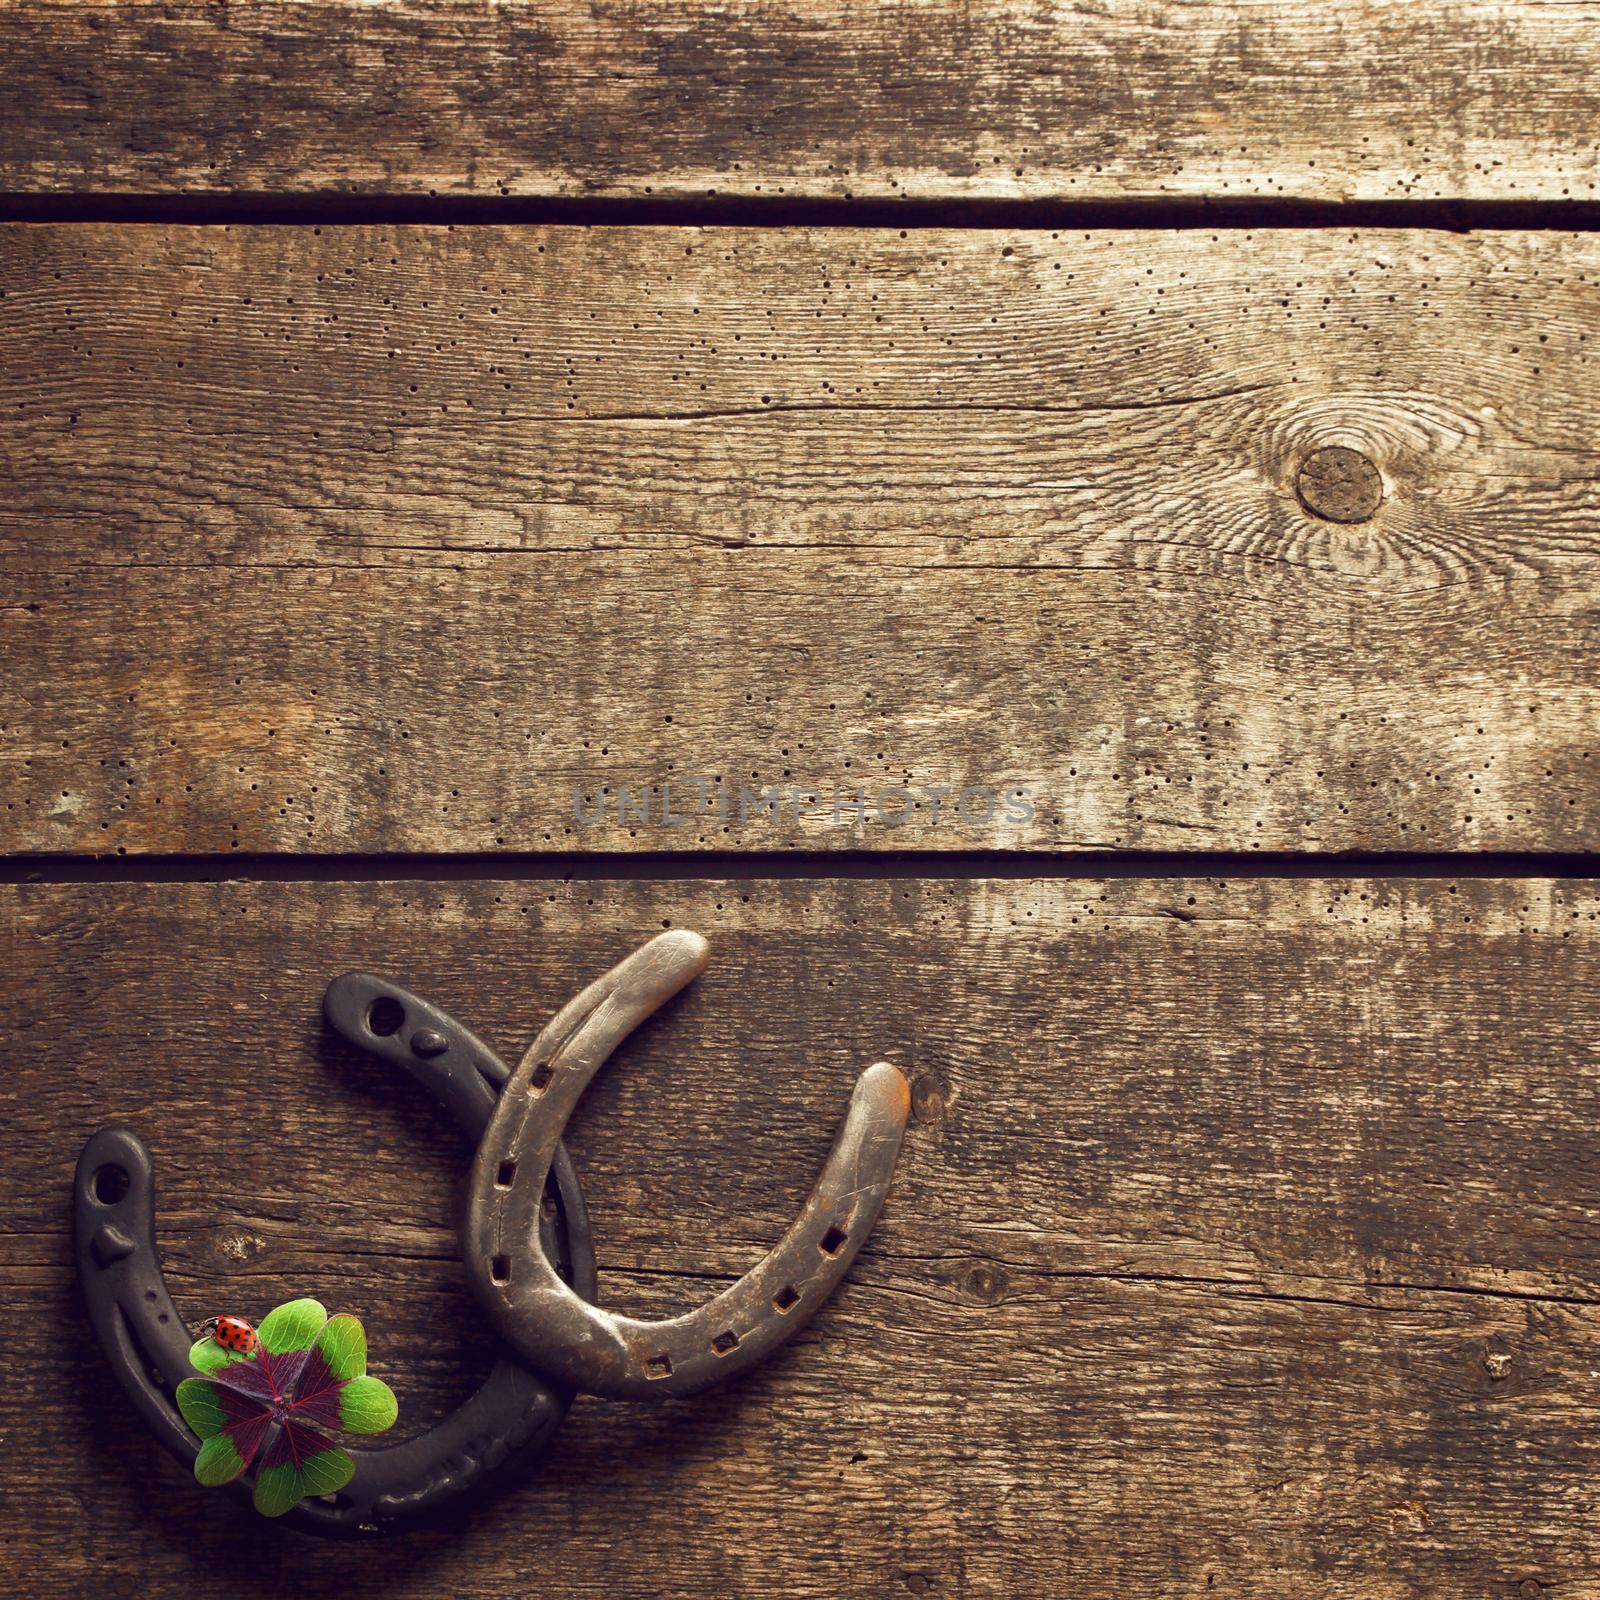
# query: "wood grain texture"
(1245, 1241)
(404, 539)
(1475, 99)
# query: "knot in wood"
(988, 1284)
(930, 1094)
(1339, 484)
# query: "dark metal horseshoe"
(504, 1426)
(579, 1344)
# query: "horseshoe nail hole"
(385, 1016)
(500, 1269)
(786, 1299)
(506, 1176)
(724, 1342)
(833, 1241)
(111, 1183)
(540, 1078)
(658, 1366)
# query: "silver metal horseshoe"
(584, 1347)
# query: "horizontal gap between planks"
(935, 865)
(241, 208)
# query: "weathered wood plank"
(1220, 1198)
(376, 539)
(1476, 99)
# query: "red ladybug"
(234, 1333)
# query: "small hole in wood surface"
(500, 1269)
(786, 1299)
(506, 1176)
(539, 1079)
(833, 1241)
(658, 1366)
(724, 1342)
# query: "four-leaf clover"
(276, 1405)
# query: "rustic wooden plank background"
(1274, 99)
(1245, 1242)
(1245, 1235)
(401, 538)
